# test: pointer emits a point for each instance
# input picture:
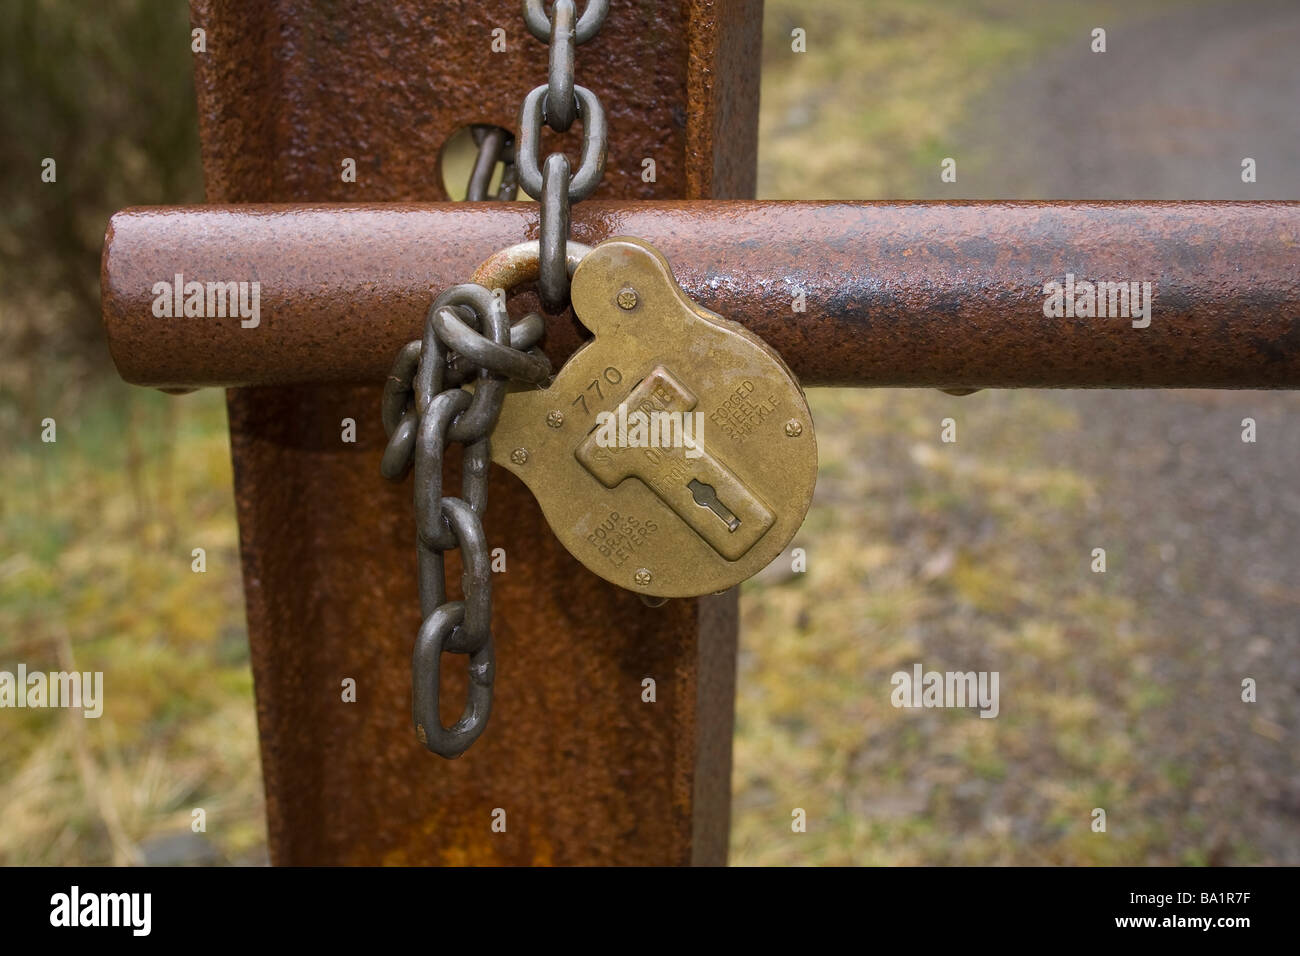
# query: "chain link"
(589, 24)
(468, 336)
(495, 145)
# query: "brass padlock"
(673, 454)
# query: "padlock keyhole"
(707, 497)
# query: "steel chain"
(557, 104)
(422, 418)
(468, 335)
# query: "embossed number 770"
(611, 375)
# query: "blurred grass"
(958, 559)
(96, 536)
(941, 560)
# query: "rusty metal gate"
(898, 294)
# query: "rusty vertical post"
(586, 772)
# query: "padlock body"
(674, 453)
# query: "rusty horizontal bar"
(895, 294)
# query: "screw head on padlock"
(674, 453)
